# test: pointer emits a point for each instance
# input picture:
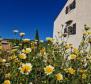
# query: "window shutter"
(74, 29)
(65, 30)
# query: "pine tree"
(37, 39)
(37, 35)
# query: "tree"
(37, 35)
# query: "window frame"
(71, 29)
(70, 7)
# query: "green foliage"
(73, 64)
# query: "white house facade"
(71, 20)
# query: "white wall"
(81, 15)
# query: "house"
(71, 20)
(5, 45)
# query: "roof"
(4, 42)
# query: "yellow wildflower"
(22, 34)
(26, 40)
(67, 46)
(75, 51)
(42, 51)
(27, 50)
(66, 70)
(13, 50)
(32, 45)
(84, 76)
(89, 32)
(71, 71)
(26, 68)
(59, 76)
(72, 56)
(71, 45)
(14, 57)
(30, 83)
(49, 39)
(7, 82)
(89, 40)
(83, 71)
(23, 50)
(0, 47)
(7, 75)
(86, 27)
(2, 60)
(85, 33)
(22, 56)
(49, 69)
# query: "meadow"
(46, 62)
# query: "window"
(70, 7)
(71, 30)
(66, 10)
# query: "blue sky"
(29, 15)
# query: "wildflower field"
(38, 62)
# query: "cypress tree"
(37, 40)
(37, 35)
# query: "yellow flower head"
(82, 71)
(22, 34)
(84, 76)
(26, 68)
(85, 33)
(33, 47)
(7, 82)
(22, 56)
(14, 50)
(71, 71)
(14, 57)
(67, 46)
(49, 39)
(42, 51)
(89, 33)
(66, 70)
(27, 50)
(26, 40)
(48, 69)
(72, 56)
(0, 47)
(75, 51)
(7, 75)
(59, 76)
(71, 45)
(89, 40)
(2, 60)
